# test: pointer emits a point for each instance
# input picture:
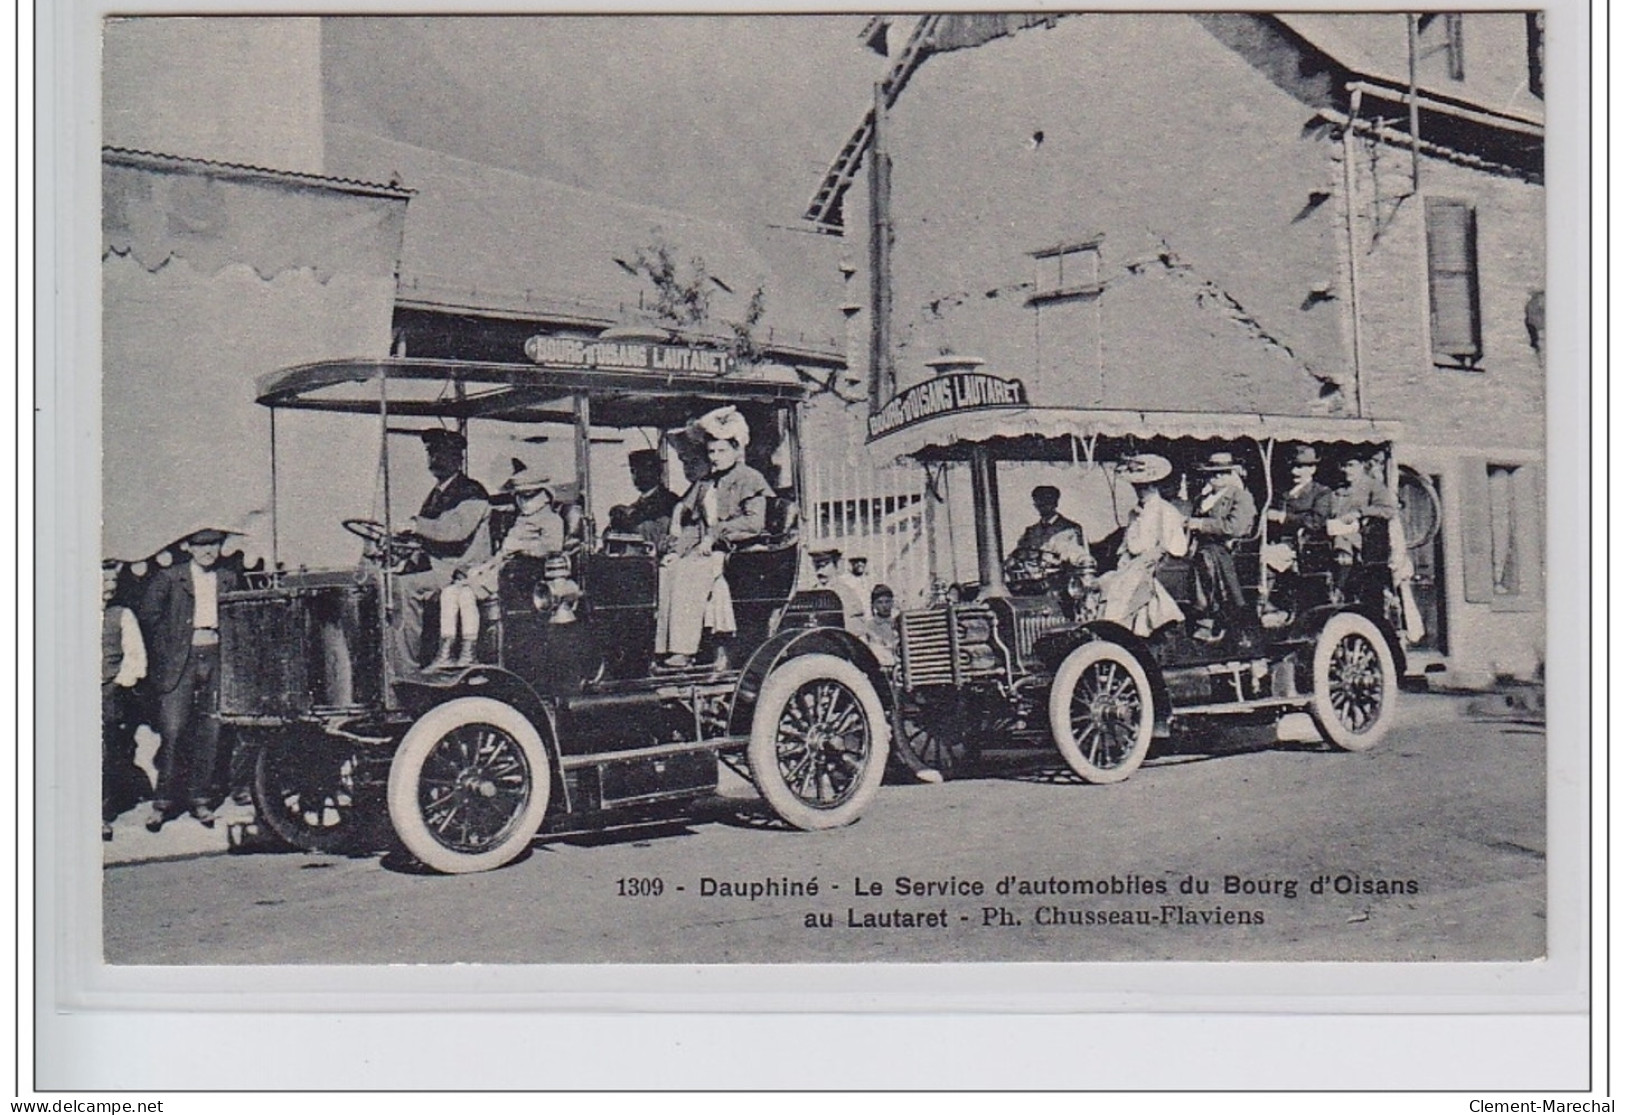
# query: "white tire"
(469, 785)
(818, 742)
(1356, 688)
(1101, 713)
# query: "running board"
(1293, 704)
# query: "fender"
(792, 643)
(1396, 645)
(499, 684)
(1051, 649)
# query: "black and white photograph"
(824, 489)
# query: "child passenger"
(537, 532)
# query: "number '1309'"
(640, 888)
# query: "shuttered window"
(1502, 534)
(1452, 235)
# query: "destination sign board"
(957, 391)
(621, 356)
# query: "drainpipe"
(1354, 255)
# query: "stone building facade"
(1175, 212)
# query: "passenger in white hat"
(1134, 596)
(725, 509)
(538, 531)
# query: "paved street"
(1436, 841)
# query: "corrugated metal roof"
(125, 156)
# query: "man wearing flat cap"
(451, 524)
(180, 612)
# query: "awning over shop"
(1054, 433)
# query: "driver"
(452, 528)
(1051, 524)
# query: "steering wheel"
(404, 547)
(367, 530)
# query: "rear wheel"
(469, 785)
(1101, 712)
(1355, 684)
(929, 745)
(306, 790)
(818, 742)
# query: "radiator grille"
(927, 648)
(289, 651)
(1031, 628)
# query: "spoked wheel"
(928, 745)
(1101, 713)
(469, 785)
(307, 791)
(1355, 684)
(818, 742)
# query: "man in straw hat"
(180, 610)
(452, 525)
(1225, 512)
(1133, 595)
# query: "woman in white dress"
(1133, 595)
(725, 508)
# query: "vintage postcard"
(803, 489)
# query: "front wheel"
(1355, 684)
(818, 742)
(469, 785)
(1101, 712)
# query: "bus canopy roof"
(1054, 433)
(421, 388)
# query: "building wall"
(1212, 234)
(1459, 421)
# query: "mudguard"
(791, 643)
(417, 698)
(1396, 646)
(1052, 648)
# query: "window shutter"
(1452, 236)
(1473, 499)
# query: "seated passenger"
(537, 532)
(1133, 595)
(1359, 497)
(648, 516)
(1302, 513)
(726, 508)
(1051, 523)
(1225, 512)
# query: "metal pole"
(985, 494)
(276, 562)
(388, 609)
(583, 409)
(1354, 255)
(1416, 138)
(882, 376)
